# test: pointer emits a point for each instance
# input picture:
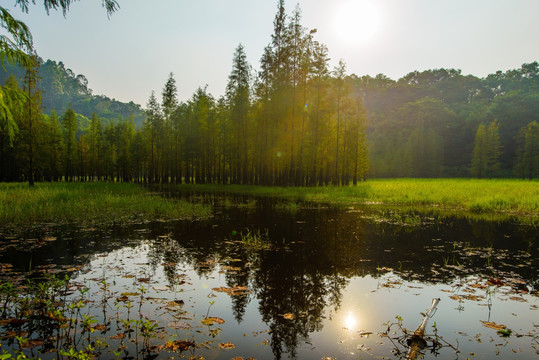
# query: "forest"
(293, 122)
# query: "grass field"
(88, 202)
(124, 202)
(470, 197)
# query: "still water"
(319, 283)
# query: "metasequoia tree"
(527, 161)
(486, 152)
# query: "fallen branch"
(416, 341)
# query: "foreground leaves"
(227, 346)
(178, 345)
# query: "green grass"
(88, 203)
(256, 239)
(493, 198)
(120, 202)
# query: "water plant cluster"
(256, 239)
(48, 317)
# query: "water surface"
(328, 283)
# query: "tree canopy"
(292, 122)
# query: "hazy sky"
(132, 53)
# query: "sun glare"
(356, 21)
(350, 321)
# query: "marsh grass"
(89, 203)
(256, 239)
(497, 199)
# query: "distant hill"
(60, 86)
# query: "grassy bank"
(107, 202)
(497, 198)
(88, 203)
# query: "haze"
(132, 53)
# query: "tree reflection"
(313, 256)
(312, 260)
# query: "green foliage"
(486, 153)
(455, 197)
(62, 88)
(15, 45)
(256, 239)
(527, 162)
(465, 102)
(11, 104)
(296, 124)
(88, 203)
(69, 123)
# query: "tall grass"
(512, 197)
(88, 202)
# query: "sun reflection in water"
(350, 321)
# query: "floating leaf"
(74, 268)
(493, 325)
(518, 298)
(117, 336)
(100, 327)
(226, 346)
(492, 281)
(211, 320)
(364, 333)
(179, 325)
(33, 343)
(179, 345)
(175, 303)
(230, 268)
(160, 288)
(232, 291)
(478, 286)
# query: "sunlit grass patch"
(89, 202)
(498, 198)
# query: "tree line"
(295, 122)
(441, 123)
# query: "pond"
(266, 280)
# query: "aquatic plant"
(255, 239)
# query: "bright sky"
(132, 53)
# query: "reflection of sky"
(367, 303)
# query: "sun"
(356, 22)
